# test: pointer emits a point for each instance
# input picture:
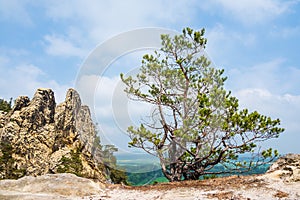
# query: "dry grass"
(223, 183)
(281, 194)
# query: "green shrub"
(5, 105)
(72, 164)
(118, 176)
(7, 162)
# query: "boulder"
(286, 168)
(50, 186)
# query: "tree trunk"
(191, 176)
(172, 172)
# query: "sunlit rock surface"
(40, 133)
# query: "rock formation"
(286, 168)
(37, 137)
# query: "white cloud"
(3, 60)
(222, 41)
(255, 11)
(15, 11)
(114, 112)
(94, 21)
(219, 32)
(100, 20)
(59, 46)
(286, 107)
(271, 88)
(24, 79)
(111, 103)
(273, 75)
(285, 32)
(111, 134)
(11, 52)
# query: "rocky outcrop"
(286, 168)
(39, 137)
(49, 186)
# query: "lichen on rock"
(42, 133)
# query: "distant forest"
(156, 176)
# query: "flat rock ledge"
(50, 186)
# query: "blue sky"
(45, 43)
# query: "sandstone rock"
(50, 186)
(41, 134)
(287, 168)
(2, 118)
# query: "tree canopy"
(195, 124)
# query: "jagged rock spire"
(41, 134)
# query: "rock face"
(287, 168)
(39, 137)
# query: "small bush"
(7, 162)
(72, 164)
(5, 105)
